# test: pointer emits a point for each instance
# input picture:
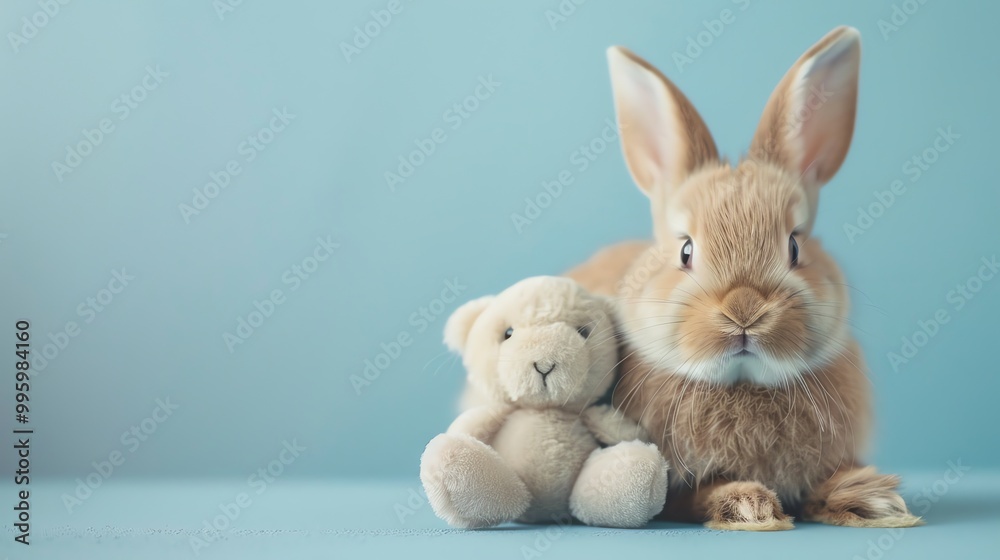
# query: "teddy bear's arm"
(482, 422)
(610, 426)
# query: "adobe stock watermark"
(88, 310)
(455, 116)
(547, 537)
(638, 275)
(32, 25)
(258, 483)
(131, 440)
(580, 160)
(421, 319)
(365, 33)
(932, 494)
(250, 148)
(121, 107)
(702, 40)
(415, 500)
(898, 17)
(562, 12)
(813, 100)
(959, 297)
(225, 7)
(913, 168)
(292, 277)
(606, 482)
(923, 503)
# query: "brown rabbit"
(739, 358)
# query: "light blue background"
(162, 336)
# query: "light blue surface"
(390, 519)
(323, 177)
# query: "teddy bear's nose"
(543, 371)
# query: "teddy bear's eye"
(508, 333)
(584, 332)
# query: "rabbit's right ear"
(663, 137)
(456, 330)
(809, 120)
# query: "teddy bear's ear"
(610, 306)
(456, 330)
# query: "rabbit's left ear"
(809, 120)
(663, 137)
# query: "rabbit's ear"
(456, 329)
(663, 137)
(809, 120)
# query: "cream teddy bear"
(539, 355)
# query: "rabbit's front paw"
(746, 506)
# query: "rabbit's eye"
(687, 251)
(584, 332)
(508, 333)
(793, 250)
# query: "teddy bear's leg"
(468, 484)
(624, 485)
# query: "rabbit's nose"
(743, 306)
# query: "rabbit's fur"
(741, 364)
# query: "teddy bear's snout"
(545, 369)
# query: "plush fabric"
(530, 446)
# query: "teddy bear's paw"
(469, 485)
(624, 485)
(860, 497)
(745, 506)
